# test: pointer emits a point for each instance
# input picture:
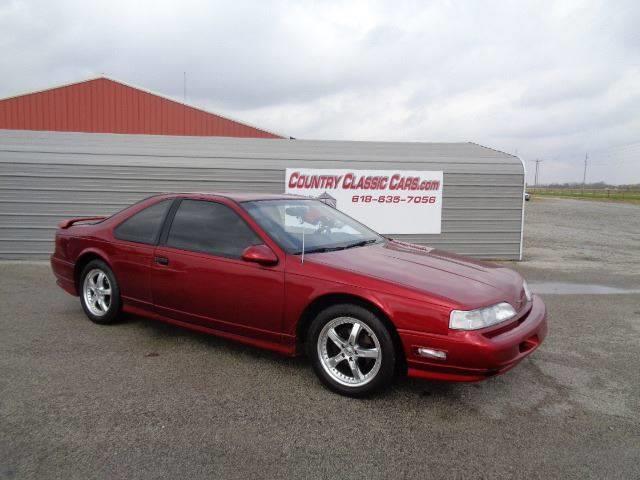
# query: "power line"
(619, 154)
(613, 162)
(634, 145)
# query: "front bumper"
(478, 354)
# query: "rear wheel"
(100, 295)
(351, 350)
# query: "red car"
(292, 274)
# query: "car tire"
(99, 293)
(351, 350)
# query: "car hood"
(468, 283)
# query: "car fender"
(94, 252)
(364, 295)
(306, 294)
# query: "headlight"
(481, 318)
(527, 292)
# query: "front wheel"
(351, 350)
(100, 295)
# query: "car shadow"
(300, 366)
(168, 332)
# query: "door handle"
(162, 260)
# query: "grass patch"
(595, 195)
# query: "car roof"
(237, 196)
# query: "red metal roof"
(104, 105)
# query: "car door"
(132, 250)
(200, 277)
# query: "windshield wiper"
(361, 243)
(320, 250)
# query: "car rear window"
(210, 227)
(144, 226)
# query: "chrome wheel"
(349, 351)
(97, 292)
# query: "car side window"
(210, 227)
(144, 226)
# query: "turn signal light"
(432, 353)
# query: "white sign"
(388, 201)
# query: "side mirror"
(260, 254)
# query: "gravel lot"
(147, 400)
(582, 241)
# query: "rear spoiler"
(71, 221)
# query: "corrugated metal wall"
(108, 106)
(45, 177)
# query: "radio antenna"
(302, 256)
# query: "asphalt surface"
(146, 400)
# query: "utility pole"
(584, 175)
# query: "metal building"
(106, 105)
(48, 176)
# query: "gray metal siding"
(46, 177)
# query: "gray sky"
(550, 80)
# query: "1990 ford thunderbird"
(292, 274)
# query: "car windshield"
(324, 228)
